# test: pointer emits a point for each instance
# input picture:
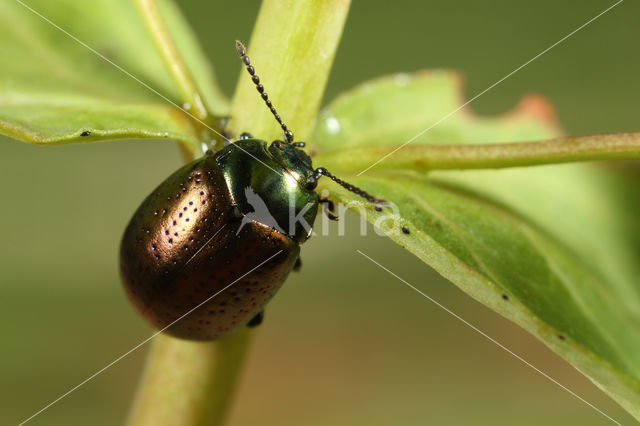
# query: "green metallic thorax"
(277, 175)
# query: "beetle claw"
(256, 320)
(331, 215)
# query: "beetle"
(212, 244)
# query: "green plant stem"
(294, 42)
(189, 93)
(446, 157)
(292, 49)
(189, 383)
(186, 383)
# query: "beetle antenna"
(242, 51)
(321, 171)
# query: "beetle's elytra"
(186, 240)
(200, 257)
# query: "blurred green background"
(344, 343)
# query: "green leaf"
(53, 88)
(361, 117)
(559, 242)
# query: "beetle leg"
(298, 264)
(331, 215)
(329, 204)
(256, 320)
(329, 208)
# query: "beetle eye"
(299, 144)
(278, 144)
(312, 183)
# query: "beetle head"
(288, 153)
(294, 160)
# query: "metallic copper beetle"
(211, 245)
